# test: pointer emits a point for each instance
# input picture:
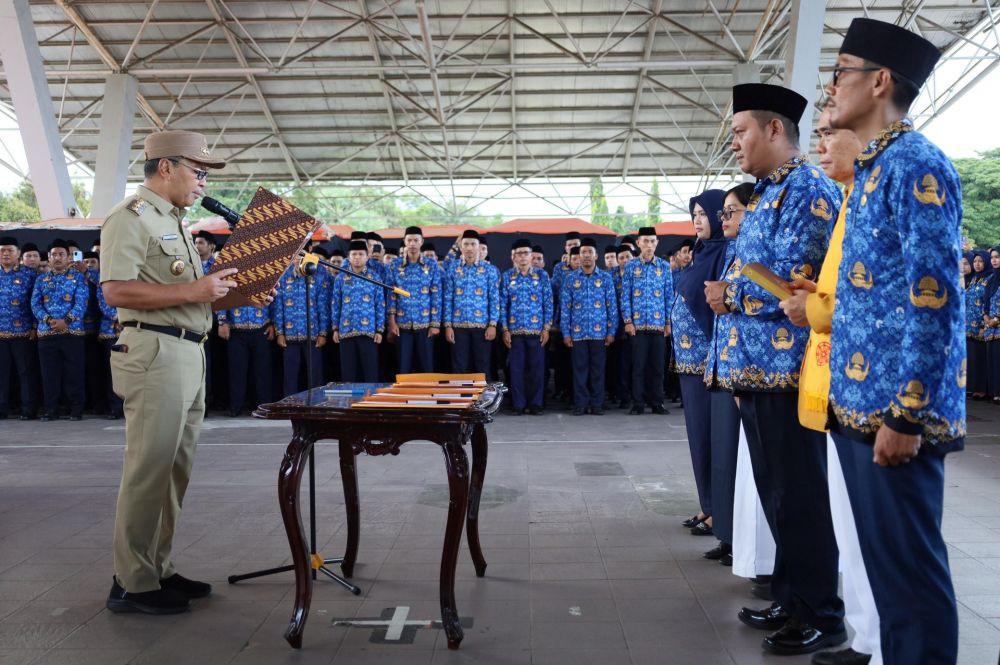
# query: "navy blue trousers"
(698, 422)
(250, 349)
(725, 438)
(470, 352)
(414, 349)
(294, 362)
(897, 511)
(359, 359)
(115, 404)
(18, 352)
(648, 358)
(789, 468)
(527, 371)
(624, 377)
(62, 364)
(588, 373)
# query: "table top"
(322, 404)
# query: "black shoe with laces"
(718, 552)
(189, 588)
(842, 657)
(769, 618)
(160, 601)
(796, 638)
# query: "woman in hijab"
(690, 327)
(991, 321)
(975, 330)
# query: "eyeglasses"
(200, 174)
(727, 214)
(837, 71)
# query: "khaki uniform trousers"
(162, 382)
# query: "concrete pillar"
(802, 59)
(117, 118)
(36, 116)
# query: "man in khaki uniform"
(152, 273)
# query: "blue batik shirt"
(724, 333)
(647, 294)
(60, 296)
(993, 332)
(526, 302)
(471, 295)
(689, 340)
(16, 319)
(109, 317)
(357, 307)
(247, 317)
(288, 311)
(422, 279)
(787, 229)
(587, 305)
(975, 307)
(898, 338)
(559, 271)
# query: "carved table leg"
(289, 482)
(349, 476)
(458, 489)
(479, 452)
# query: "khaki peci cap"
(181, 143)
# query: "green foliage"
(599, 213)
(981, 197)
(653, 204)
(21, 205)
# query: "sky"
(962, 130)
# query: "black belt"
(190, 336)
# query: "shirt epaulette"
(137, 205)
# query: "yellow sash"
(814, 378)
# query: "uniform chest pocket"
(172, 264)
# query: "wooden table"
(316, 414)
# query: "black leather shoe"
(769, 618)
(26, 416)
(717, 552)
(46, 418)
(624, 404)
(692, 521)
(659, 410)
(76, 418)
(843, 657)
(113, 416)
(536, 411)
(597, 411)
(702, 529)
(726, 559)
(183, 585)
(795, 638)
(579, 412)
(635, 411)
(517, 412)
(761, 579)
(161, 601)
(762, 591)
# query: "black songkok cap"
(647, 231)
(413, 231)
(8, 240)
(59, 243)
(521, 243)
(371, 235)
(588, 242)
(629, 239)
(392, 250)
(767, 97)
(574, 251)
(337, 252)
(358, 235)
(29, 247)
(888, 45)
(428, 247)
(573, 235)
(321, 252)
(470, 233)
(89, 254)
(358, 245)
(610, 248)
(537, 249)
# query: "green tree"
(981, 197)
(21, 205)
(599, 213)
(653, 204)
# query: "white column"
(113, 148)
(802, 59)
(36, 117)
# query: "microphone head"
(213, 205)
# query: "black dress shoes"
(624, 404)
(718, 552)
(536, 411)
(517, 412)
(795, 638)
(659, 410)
(769, 618)
(596, 411)
(161, 601)
(692, 521)
(843, 657)
(726, 559)
(702, 529)
(183, 585)
(635, 411)
(579, 412)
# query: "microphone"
(220, 209)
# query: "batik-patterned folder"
(268, 237)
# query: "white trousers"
(753, 544)
(859, 604)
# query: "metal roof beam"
(647, 49)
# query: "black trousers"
(527, 371)
(612, 355)
(470, 352)
(249, 349)
(993, 368)
(725, 445)
(414, 349)
(294, 362)
(789, 468)
(19, 352)
(978, 372)
(648, 349)
(698, 423)
(624, 377)
(62, 365)
(588, 373)
(98, 374)
(359, 359)
(115, 404)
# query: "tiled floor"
(587, 563)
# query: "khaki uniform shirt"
(143, 239)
